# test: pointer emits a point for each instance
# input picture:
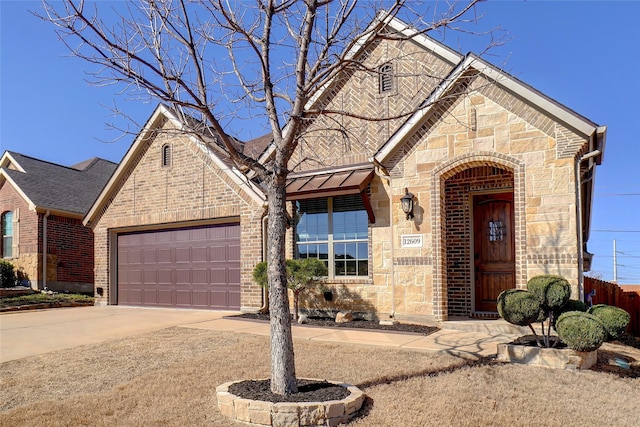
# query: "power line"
(616, 231)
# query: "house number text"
(411, 241)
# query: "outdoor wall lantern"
(407, 203)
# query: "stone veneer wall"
(483, 130)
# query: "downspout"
(579, 183)
(44, 249)
(382, 172)
(265, 291)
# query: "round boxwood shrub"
(580, 331)
(614, 319)
(574, 305)
(519, 307)
(571, 305)
(552, 291)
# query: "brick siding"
(72, 243)
(459, 229)
(27, 258)
(191, 189)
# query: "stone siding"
(480, 137)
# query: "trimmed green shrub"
(614, 319)
(580, 331)
(260, 274)
(571, 305)
(302, 274)
(546, 297)
(574, 305)
(552, 291)
(7, 275)
(519, 307)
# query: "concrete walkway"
(34, 332)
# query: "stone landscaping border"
(556, 358)
(290, 414)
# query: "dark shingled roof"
(69, 189)
(255, 147)
(252, 149)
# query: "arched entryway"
(479, 234)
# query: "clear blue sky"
(584, 54)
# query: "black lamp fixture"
(407, 203)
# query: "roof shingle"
(51, 186)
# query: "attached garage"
(187, 267)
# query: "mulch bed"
(325, 322)
(308, 391)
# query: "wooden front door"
(494, 259)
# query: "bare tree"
(216, 59)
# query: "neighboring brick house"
(500, 177)
(41, 206)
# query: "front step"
(491, 327)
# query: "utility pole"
(615, 263)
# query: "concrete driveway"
(33, 332)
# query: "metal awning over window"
(329, 183)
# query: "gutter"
(265, 291)
(581, 240)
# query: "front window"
(336, 231)
(7, 234)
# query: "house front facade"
(496, 180)
(41, 209)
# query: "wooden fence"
(611, 294)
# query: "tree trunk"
(296, 300)
(283, 372)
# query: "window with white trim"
(7, 234)
(336, 231)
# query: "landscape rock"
(344, 317)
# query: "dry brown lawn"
(168, 378)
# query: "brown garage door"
(196, 267)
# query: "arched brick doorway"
(478, 198)
(457, 184)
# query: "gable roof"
(49, 186)
(471, 62)
(360, 44)
(204, 139)
(405, 31)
